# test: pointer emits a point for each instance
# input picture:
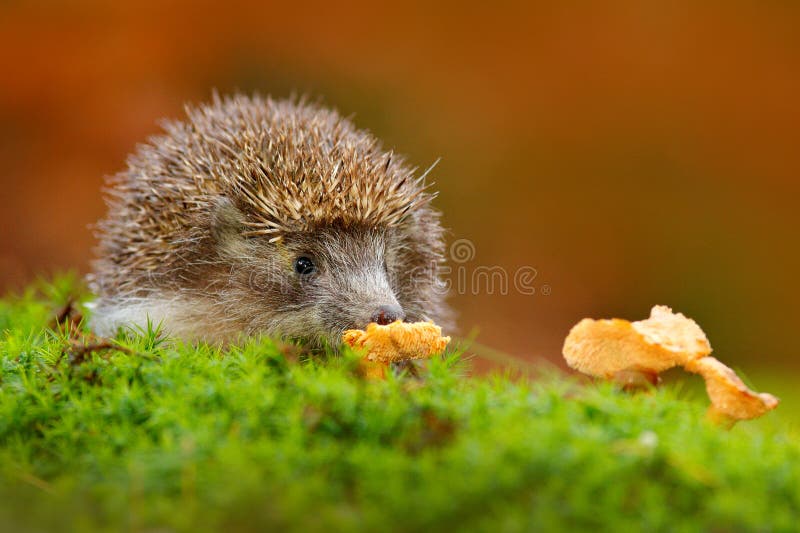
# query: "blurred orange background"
(632, 153)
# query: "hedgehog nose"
(386, 314)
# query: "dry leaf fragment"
(395, 342)
(611, 348)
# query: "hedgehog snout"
(386, 314)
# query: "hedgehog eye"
(304, 266)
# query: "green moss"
(164, 435)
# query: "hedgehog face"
(312, 285)
(317, 284)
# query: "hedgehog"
(264, 216)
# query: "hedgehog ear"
(227, 223)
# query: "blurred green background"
(631, 153)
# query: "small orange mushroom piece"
(395, 342)
(731, 399)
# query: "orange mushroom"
(395, 342)
(731, 400)
(618, 349)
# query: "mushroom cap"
(729, 395)
(602, 348)
(606, 348)
(398, 341)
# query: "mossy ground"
(165, 436)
